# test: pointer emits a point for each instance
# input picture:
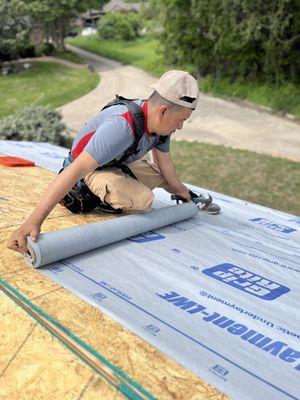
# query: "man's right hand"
(17, 240)
(57, 189)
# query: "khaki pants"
(122, 191)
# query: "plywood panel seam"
(18, 350)
(85, 388)
(45, 294)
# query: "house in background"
(90, 18)
(121, 6)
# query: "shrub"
(39, 124)
(287, 98)
(119, 26)
(27, 50)
(47, 49)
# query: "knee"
(142, 201)
(128, 195)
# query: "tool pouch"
(80, 199)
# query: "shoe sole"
(215, 212)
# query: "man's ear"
(162, 109)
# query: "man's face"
(170, 120)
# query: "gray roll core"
(58, 245)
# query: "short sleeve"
(110, 140)
(165, 146)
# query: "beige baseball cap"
(179, 87)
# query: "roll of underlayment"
(58, 245)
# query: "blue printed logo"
(246, 281)
(153, 329)
(146, 237)
(56, 270)
(272, 225)
(99, 296)
(178, 227)
(220, 370)
(176, 251)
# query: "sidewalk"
(215, 121)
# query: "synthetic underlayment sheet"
(219, 294)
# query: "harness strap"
(113, 164)
(138, 118)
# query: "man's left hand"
(185, 194)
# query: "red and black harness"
(80, 199)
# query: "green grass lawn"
(145, 53)
(142, 53)
(269, 181)
(285, 99)
(46, 83)
(69, 56)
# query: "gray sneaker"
(210, 208)
(202, 200)
(204, 203)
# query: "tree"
(119, 26)
(55, 16)
(253, 39)
(14, 28)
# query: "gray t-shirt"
(111, 132)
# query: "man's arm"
(168, 171)
(57, 189)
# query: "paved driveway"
(215, 121)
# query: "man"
(107, 137)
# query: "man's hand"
(17, 240)
(184, 193)
(57, 189)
